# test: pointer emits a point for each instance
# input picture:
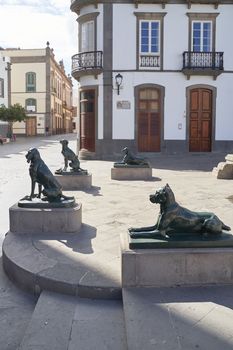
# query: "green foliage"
(15, 113)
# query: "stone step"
(51, 323)
(179, 318)
(98, 325)
(37, 263)
(61, 322)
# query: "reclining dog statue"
(69, 155)
(175, 219)
(47, 183)
(130, 159)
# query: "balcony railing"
(87, 63)
(203, 60)
(148, 61)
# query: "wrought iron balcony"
(87, 63)
(202, 63)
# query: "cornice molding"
(77, 5)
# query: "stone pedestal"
(131, 173)
(175, 266)
(45, 220)
(74, 182)
(224, 170)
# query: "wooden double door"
(149, 119)
(200, 120)
(31, 126)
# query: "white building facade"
(154, 76)
(4, 89)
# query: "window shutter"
(87, 42)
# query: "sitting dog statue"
(175, 219)
(130, 159)
(69, 155)
(40, 173)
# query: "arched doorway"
(149, 118)
(200, 119)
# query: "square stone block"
(131, 173)
(54, 220)
(74, 182)
(175, 266)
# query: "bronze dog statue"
(130, 159)
(69, 155)
(175, 219)
(40, 173)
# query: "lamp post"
(118, 79)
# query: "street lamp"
(119, 79)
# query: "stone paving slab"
(51, 323)
(62, 322)
(16, 308)
(179, 318)
(98, 325)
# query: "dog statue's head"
(32, 155)
(161, 195)
(64, 142)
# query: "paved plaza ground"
(199, 318)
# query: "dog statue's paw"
(58, 171)
(163, 234)
(133, 234)
(26, 198)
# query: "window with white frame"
(1, 87)
(149, 37)
(201, 36)
(150, 40)
(149, 44)
(87, 36)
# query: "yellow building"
(42, 87)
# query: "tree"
(15, 113)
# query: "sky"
(28, 24)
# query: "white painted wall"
(124, 119)
(100, 28)
(175, 36)
(224, 34)
(224, 106)
(124, 37)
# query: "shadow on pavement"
(22, 144)
(187, 162)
